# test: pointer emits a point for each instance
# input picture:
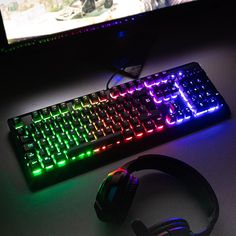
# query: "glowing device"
(61, 140)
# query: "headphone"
(117, 191)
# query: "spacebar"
(85, 147)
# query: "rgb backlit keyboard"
(74, 136)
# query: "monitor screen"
(29, 19)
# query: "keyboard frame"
(116, 152)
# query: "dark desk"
(67, 208)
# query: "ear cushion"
(115, 196)
(175, 226)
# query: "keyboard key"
(29, 147)
(90, 136)
(81, 139)
(85, 101)
(26, 139)
(93, 98)
(122, 88)
(142, 110)
(107, 130)
(108, 121)
(120, 100)
(76, 103)
(30, 156)
(102, 95)
(63, 107)
(128, 133)
(62, 145)
(81, 130)
(93, 117)
(51, 150)
(158, 121)
(111, 111)
(98, 134)
(151, 115)
(111, 138)
(75, 123)
(60, 158)
(36, 116)
(119, 108)
(71, 143)
(148, 103)
(20, 131)
(116, 127)
(171, 119)
(42, 153)
(149, 125)
(35, 167)
(55, 110)
(90, 127)
(125, 115)
(134, 121)
(116, 118)
(134, 113)
(138, 129)
(48, 162)
(125, 124)
(128, 106)
(43, 142)
(187, 112)
(102, 114)
(45, 112)
(84, 120)
(114, 93)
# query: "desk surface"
(67, 208)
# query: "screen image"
(24, 19)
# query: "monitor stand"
(125, 55)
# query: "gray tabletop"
(67, 208)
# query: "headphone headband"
(187, 174)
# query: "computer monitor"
(30, 22)
(111, 28)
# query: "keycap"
(125, 124)
(138, 128)
(48, 162)
(98, 134)
(93, 98)
(26, 139)
(116, 127)
(60, 158)
(149, 125)
(63, 107)
(30, 156)
(90, 136)
(29, 147)
(55, 110)
(128, 133)
(112, 138)
(35, 167)
(85, 101)
(114, 93)
(36, 116)
(102, 95)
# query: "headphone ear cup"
(115, 196)
(174, 226)
(129, 194)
